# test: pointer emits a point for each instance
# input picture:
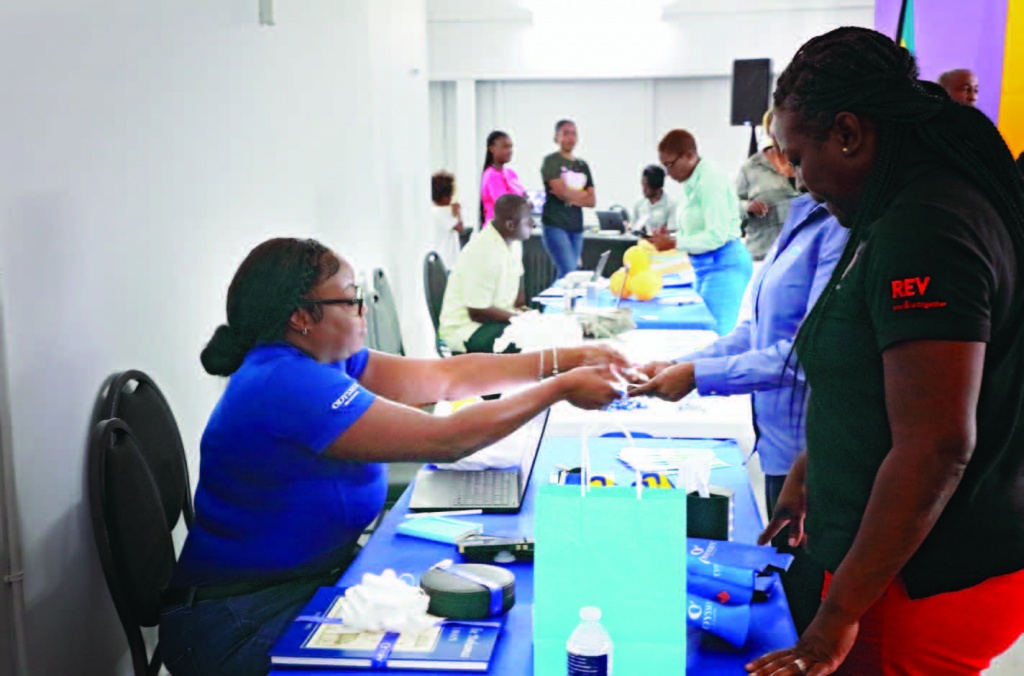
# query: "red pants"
(956, 633)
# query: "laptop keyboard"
(488, 488)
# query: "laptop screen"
(529, 438)
(601, 263)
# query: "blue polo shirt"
(270, 504)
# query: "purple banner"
(956, 34)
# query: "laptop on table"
(611, 220)
(494, 491)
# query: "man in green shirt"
(708, 228)
(485, 288)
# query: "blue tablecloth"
(674, 308)
(771, 624)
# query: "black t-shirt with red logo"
(939, 265)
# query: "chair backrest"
(435, 282)
(133, 397)
(132, 535)
(372, 308)
(388, 330)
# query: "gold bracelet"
(540, 371)
(554, 356)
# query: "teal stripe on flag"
(907, 29)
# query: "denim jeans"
(231, 636)
(722, 278)
(564, 247)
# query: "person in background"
(293, 458)
(497, 179)
(569, 187)
(756, 358)
(765, 186)
(708, 228)
(655, 211)
(447, 217)
(911, 491)
(961, 85)
(485, 289)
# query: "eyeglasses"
(358, 301)
(668, 165)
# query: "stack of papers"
(665, 459)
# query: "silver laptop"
(490, 490)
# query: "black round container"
(460, 599)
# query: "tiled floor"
(1010, 663)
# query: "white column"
(399, 167)
(469, 151)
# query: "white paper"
(666, 460)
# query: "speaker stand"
(753, 141)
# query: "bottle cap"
(590, 614)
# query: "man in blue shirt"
(757, 356)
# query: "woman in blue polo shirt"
(292, 459)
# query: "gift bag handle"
(585, 434)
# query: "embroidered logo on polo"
(346, 398)
(910, 288)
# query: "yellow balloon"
(636, 259)
(645, 284)
(647, 246)
(616, 282)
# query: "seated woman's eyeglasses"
(357, 301)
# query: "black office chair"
(388, 331)
(132, 534)
(435, 282)
(133, 397)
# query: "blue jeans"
(564, 247)
(231, 636)
(722, 278)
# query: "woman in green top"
(569, 187)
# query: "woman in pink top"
(497, 179)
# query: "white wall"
(620, 123)
(147, 147)
(572, 39)
(626, 72)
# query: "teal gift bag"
(624, 554)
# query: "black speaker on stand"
(751, 87)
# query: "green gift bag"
(624, 554)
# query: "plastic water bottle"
(590, 646)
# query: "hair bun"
(225, 352)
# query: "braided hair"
(492, 138)
(861, 71)
(268, 287)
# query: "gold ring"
(801, 665)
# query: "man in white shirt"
(655, 211)
(485, 287)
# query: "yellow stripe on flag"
(1011, 107)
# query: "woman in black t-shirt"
(569, 187)
(912, 485)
